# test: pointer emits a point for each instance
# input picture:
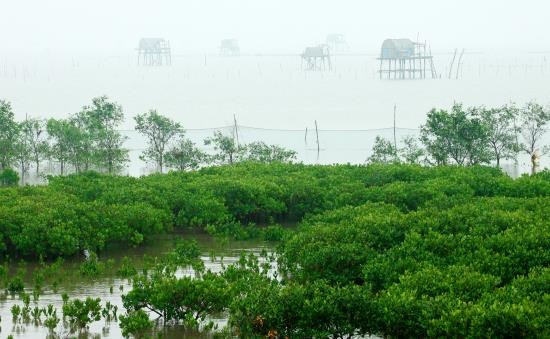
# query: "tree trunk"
(22, 174)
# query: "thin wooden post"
(452, 63)
(317, 136)
(459, 64)
(236, 131)
(423, 68)
(394, 127)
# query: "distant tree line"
(91, 140)
(471, 136)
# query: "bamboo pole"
(317, 136)
(394, 127)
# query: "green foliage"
(467, 258)
(457, 137)
(100, 121)
(126, 269)
(260, 151)
(383, 152)
(35, 136)
(51, 321)
(135, 323)
(226, 148)
(15, 312)
(388, 250)
(41, 221)
(533, 124)
(159, 131)
(8, 177)
(91, 210)
(502, 130)
(185, 156)
(16, 284)
(80, 314)
(91, 266)
(9, 131)
(70, 145)
(177, 300)
(411, 153)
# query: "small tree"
(34, 132)
(159, 131)
(455, 136)
(534, 119)
(501, 130)
(227, 150)
(100, 120)
(23, 153)
(81, 144)
(185, 156)
(81, 314)
(383, 151)
(69, 144)
(9, 132)
(8, 177)
(411, 152)
(260, 151)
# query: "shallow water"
(214, 253)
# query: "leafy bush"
(8, 177)
(135, 323)
(80, 313)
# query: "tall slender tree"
(159, 131)
(501, 130)
(534, 120)
(23, 153)
(34, 132)
(69, 144)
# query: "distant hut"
(336, 42)
(229, 47)
(317, 58)
(154, 52)
(405, 59)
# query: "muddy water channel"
(109, 287)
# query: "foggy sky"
(263, 26)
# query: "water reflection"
(109, 288)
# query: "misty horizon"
(114, 28)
